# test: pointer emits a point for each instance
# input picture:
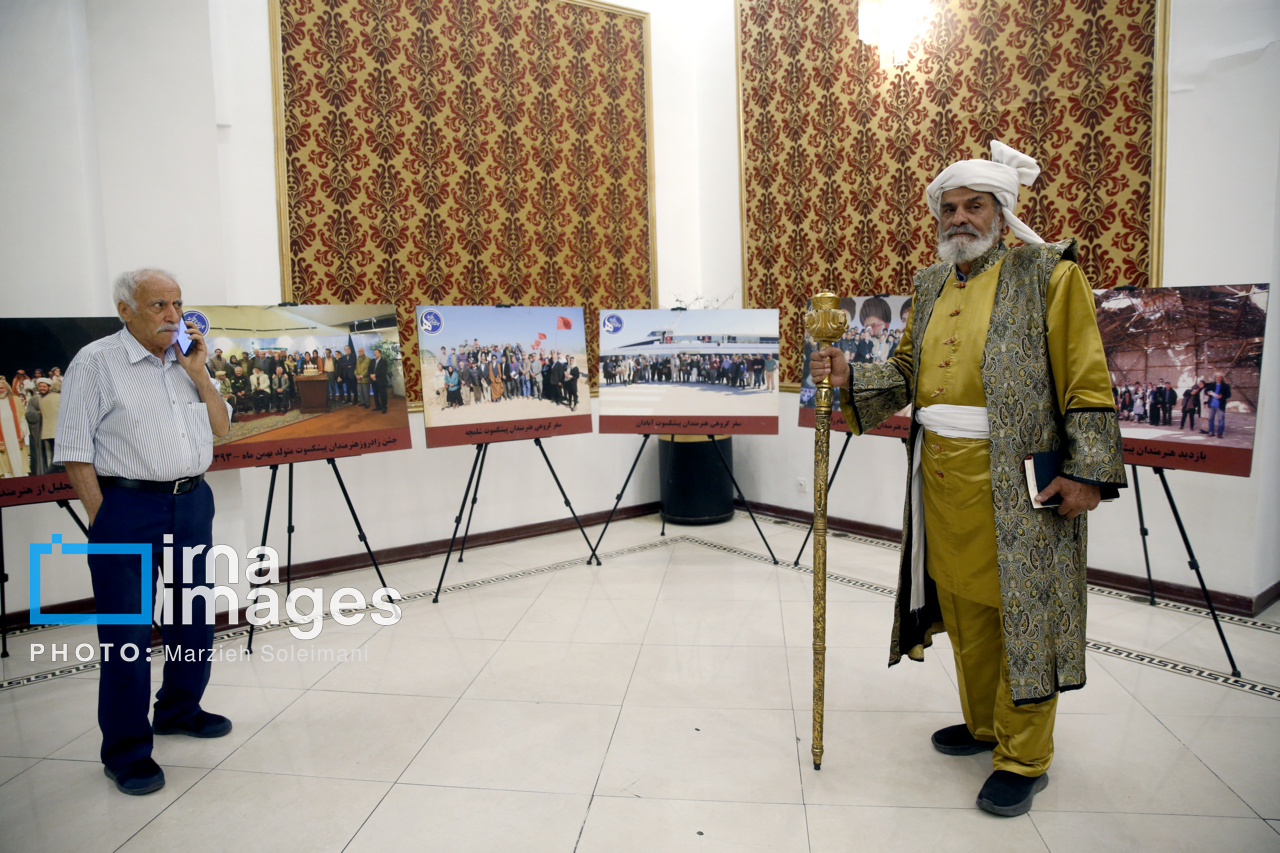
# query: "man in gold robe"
(1000, 358)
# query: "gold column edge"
(1159, 143)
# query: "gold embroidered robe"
(1039, 365)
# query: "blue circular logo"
(612, 323)
(197, 317)
(431, 322)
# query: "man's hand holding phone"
(189, 345)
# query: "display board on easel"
(1186, 366)
(330, 409)
(683, 372)
(502, 373)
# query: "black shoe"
(203, 724)
(137, 777)
(1009, 794)
(958, 740)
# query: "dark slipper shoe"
(957, 740)
(137, 777)
(203, 724)
(1008, 794)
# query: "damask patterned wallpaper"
(464, 152)
(836, 153)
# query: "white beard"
(959, 250)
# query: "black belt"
(173, 487)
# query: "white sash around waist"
(949, 422)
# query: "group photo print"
(689, 371)
(502, 372)
(298, 377)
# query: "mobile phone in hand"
(183, 340)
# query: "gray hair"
(125, 288)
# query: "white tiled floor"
(660, 702)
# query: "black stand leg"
(1142, 529)
(71, 512)
(742, 497)
(547, 459)
(830, 482)
(288, 565)
(359, 530)
(1195, 567)
(266, 526)
(457, 520)
(4, 607)
(621, 492)
(475, 496)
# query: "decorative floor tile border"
(1176, 607)
(1255, 688)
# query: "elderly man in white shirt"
(136, 436)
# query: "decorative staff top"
(826, 323)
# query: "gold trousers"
(1023, 733)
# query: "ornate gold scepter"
(826, 323)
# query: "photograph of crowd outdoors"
(1185, 362)
(305, 371)
(514, 365)
(875, 327)
(692, 365)
(34, 353)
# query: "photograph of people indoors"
(491, 364)
(34, 353)
(306, 370)
(1185, 362)
(693, 365)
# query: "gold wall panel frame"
(1147, 23)
(632, 205)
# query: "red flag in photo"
(542, 336)
(537, 344)
(563, 323)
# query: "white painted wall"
(139, 132)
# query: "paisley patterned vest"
(1041, 555)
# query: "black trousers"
(124, 686)
(380, 397)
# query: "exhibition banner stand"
(830, 483)
(1178, 355)
(526, 380)
(737, 489)
(724, 462)
(1192, 562)
(266, 526)
(618, 499)
(681, 373)
(477, 472)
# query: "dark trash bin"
(696, 488)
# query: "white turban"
(999, 176)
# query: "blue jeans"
(124, 687)
(1220, 417)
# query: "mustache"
(167, 327)
(963, 228)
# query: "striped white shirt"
(131, 414)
